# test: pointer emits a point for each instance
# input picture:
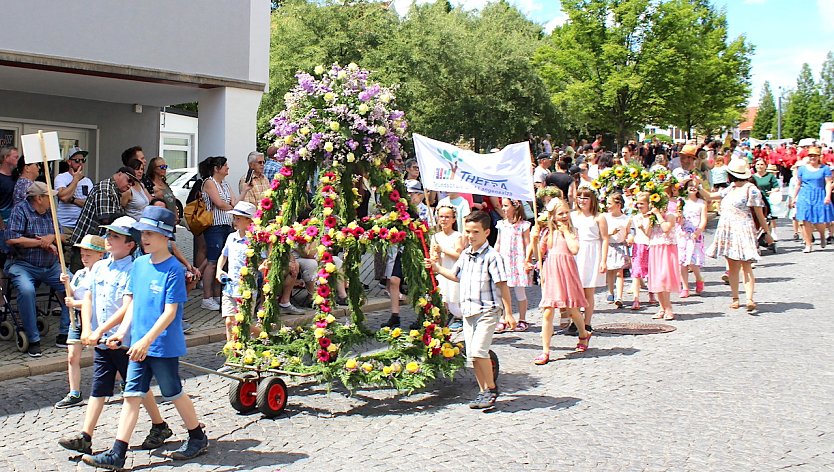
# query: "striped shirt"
(478, 273)
(221, 217)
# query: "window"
(177, 149)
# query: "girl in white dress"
(446, 245)
(619, 225)
(592, 232)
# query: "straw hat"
(689, 150)
(739, 169)
(772, 168)
(92, 242)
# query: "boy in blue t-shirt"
(154, 318)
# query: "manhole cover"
(634, 328)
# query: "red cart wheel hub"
(277, 397)
(248, 393)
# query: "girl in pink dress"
(639, 242)
(664, 267)
(513, 239)
(691, 238)
(561, 284)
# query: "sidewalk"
(206, 327)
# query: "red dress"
(561, 285)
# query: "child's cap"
(121, 225)
(244, 209)
(157, 219)
(92, 242)
(413, 186)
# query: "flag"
(447, 168)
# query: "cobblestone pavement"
(725, 391)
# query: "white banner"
(447, 168)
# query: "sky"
(786, 33)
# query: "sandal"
(669, 316)
(543, 359)
(734, 304)
(659, 315)
(635, 305)
(501, 327)
(521, 326)
(751, 307)
(582, 347)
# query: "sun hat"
(157, 219)
(121, 225)
(92, 242)
(772, 168)
(244, 209)
(689, 150)
(806, 142)
(814, 151)
(739, 169)
(413, 186)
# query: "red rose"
(324, 342)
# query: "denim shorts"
(74, 334)
(106, 362)
(166, 371)
(215, 237)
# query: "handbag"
(197, 216)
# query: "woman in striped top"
(219, 198)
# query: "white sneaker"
(290, 308)
(210, 304)
(216, 299)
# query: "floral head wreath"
(548, 192)
(449, 206)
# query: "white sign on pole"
(448, 168)
(32, 150)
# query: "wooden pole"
(55, 225)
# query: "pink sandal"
(582, 347)
(543, 359)
(501, 327)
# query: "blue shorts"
(74, 334)
(106, 362)
(166, 371)
(215, 237)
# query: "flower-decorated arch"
(338, 126)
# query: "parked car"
(181, 181)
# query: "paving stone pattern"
(725, 391)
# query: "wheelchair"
(11, 325)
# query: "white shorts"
(478, 331)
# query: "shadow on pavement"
(781, 307)
(517, 403)
(698, 316)
(231, 454)
(601, 352)
(766, 280)
(774, 264)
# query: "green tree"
(710, 80)
(804, 111)
(827, 87)
(766, 117)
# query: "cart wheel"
(6, 330)
(22, 340)
(242, 394)
(43, 325)
(495, 365)
(272, 396)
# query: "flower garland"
(333, 122)
(633, 178)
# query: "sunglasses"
(163, 167)
(80, 161)
(259, 162)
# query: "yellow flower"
(434, 343)
(228, 346)
(275, 363)
(238, 346)
(261, 314)
(318, 300)
(322, 281)
(619, 171)
(367, 367)
(334, 125)
(426, 324)
(351, 157)
(422, 302)
(385, 98)
(273, 239)
(363, 109)
(396, 367)
(288, 139)
(333, 348)
(596, 185)
(342, 75)
(448, 353)
(327, 211)
(320, 332)
(304, 131)
(266, 354)
(435, 311)
(412, 367)
(645, 174)
(605, 174)
(353, 66)
(239, 317)
(650, 185)
(396, 332)
(330, 96)
(350, 364)
(235, 330)
(246, 295)
(457, 350)
(264, 335)
(248, 359)
(303, 152)
(330, 319)
(655, 197)
(381, 130)
(446, 331)
(388, 187)
(330, 267)
(414, 333)
(267, 288)
(633, 172)
(393, 216)
(328, 146)
(250, 252)
(319, 70)
(387, 370)
(244, 271)
(256, 221)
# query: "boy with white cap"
(103, 308)
(154, 318)
(234, 251)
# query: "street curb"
(199, 338)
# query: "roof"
(749, 118)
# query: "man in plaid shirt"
(103, 206)
(31, 236)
